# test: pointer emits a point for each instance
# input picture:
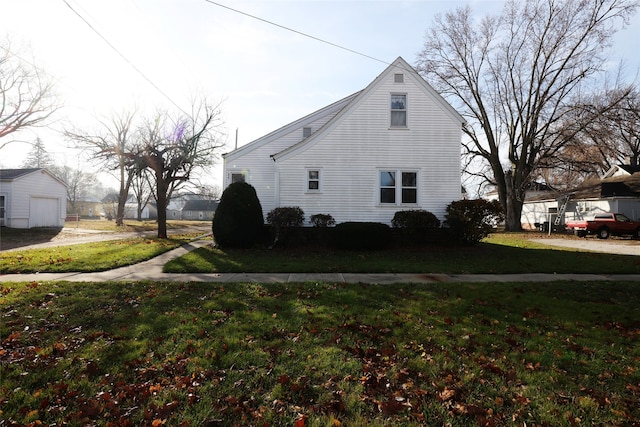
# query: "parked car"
(604, 225)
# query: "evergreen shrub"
(238, 221)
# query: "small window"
(238, 177)
(398, 110)
(398, 78)
(406, 191)
(306, 132)
(313, 180)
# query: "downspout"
(276, 183)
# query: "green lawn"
(87, 257)
(501, 253)
(319, 354)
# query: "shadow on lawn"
(12, 238)
(246, 353)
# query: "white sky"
(265, 76)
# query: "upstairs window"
(306, 132)
(398, 110)
(404, 191)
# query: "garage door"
(44, 212)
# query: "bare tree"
(142, 190)
(515, 76)
(173, 148)
(115, 148)
(79, 184)
(26, 93)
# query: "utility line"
(296, 31)
(125, 58)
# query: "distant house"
(110, 208)
(199, 209)
(191, 207)
(393, 146)
(618, 191)
(87, 207)
(32, 198)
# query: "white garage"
(32, 198)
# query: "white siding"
(352, 153)
(351, 145)
(28, 195)
(256, 162)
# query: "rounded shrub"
(362, 235)
(417, 218)
(322, 220)
(286, 217)
(284, 220)
(472, 220)
(238, 220)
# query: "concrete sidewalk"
(152, 270)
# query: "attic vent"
(306, 132)
(398, 78)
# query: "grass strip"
(499, 254)
(318, 354)
(86, 257)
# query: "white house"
(393, 146)
(618, 191)
(32, 198)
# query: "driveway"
(74, 236)
(611, 246)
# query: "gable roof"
(398, 64)
(200, 205)
(616, 186)
(9, 175)
(331, 108)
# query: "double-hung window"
(398, 110)
(313, 180)
(398, 187)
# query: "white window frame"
(398, 187)
(404, 110)
(308, 180)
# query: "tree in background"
(27, 98)
(38, 156)
(515, 77)
(174, 147)
(116, 149)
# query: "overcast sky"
(264, 75)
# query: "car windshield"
(622, 218)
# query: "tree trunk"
(122, 200)
(161, 199)
(512, 205)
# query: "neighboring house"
(88, 207)
(199, 209)
(110, 208)
(618, 192)
(191, 206)
(393, 146)
(32, 198)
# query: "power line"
(125, 58)
(297, 32)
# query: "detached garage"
(32, 198)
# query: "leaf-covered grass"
(87, 257)
(499, 254)
(320, 354)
